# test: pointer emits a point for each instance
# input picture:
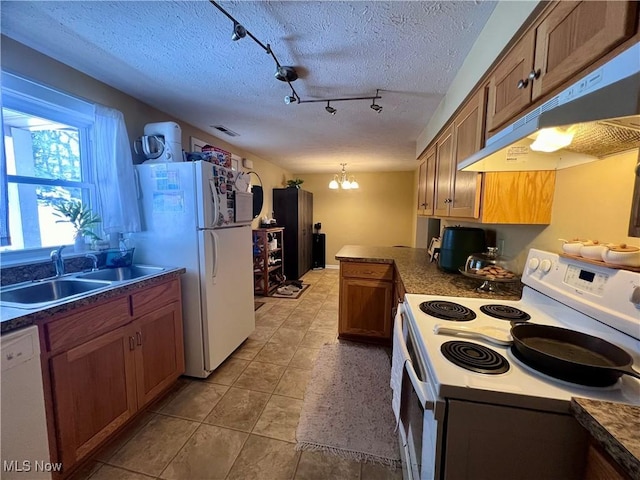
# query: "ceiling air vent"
(225, 130)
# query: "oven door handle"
(419, 386)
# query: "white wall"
(591, 201)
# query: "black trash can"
(318, 251)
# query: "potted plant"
(295, 183)
(82, 218)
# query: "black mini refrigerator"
(318, 250)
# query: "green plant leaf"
(82, 218)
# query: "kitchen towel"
(398, 358)
(346, 406)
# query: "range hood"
(602, 111)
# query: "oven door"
(417, 406)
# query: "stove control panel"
(586, 280)
(608, 295)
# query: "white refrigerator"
(197, 215)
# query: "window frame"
(32, 98)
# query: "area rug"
(295, 295)
(257, 305)
(347, 406)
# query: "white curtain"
(114, 173)
(5, 238)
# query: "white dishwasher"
(25, 445)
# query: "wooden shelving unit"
(268, 258)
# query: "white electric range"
(498, 417)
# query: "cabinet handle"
(523, 83)
(534, 74)
(423, 204)
(132, 343)
(139, 338)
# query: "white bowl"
(593, 252)
(572, 248)
(622, 255)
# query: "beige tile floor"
(240, 423)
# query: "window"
(47, 154)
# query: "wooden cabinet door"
(94, 392)
(365, 309)
(576, 34)
(422, 186)
(468, 137)
(426, 182)
(518, 197)
(444, 164)
(306, 232)
(431, 182)
(159, 351)
(507, 96)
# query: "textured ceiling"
(179, 58)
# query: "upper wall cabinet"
(493, 197)
(570, 37)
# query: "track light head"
(375, 107)
(330, 109)
(238, 32)
(286, 74)
(289, 99)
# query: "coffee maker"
(161, 142)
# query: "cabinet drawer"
(379, 271)
(150, 299)
(78, 327)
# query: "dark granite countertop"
(615, 426)
(16, 318)
(423, 277)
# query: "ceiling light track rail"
(372, 97)
(288, 74)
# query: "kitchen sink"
(121, 274)
(49, 291)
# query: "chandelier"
(342, 180)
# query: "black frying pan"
(569, 355)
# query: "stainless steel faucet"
(58, 262)
(94, 261)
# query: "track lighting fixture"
(287, 73)
(238, 32)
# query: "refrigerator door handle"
(216, 202)
(136, 179)
(214, 243)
